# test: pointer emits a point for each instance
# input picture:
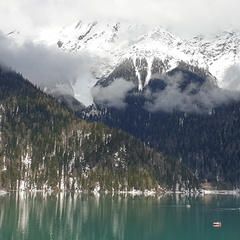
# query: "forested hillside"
(44, 146)
(181, 113)
(208, 142)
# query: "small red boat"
(217, 224)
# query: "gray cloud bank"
(112, 95)
(172, 99)
(43, 66)
(196, 98)
(231, 78)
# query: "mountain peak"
(109, 43)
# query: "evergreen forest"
(44, 146)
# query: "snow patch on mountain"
(109, 43)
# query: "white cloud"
(195, 97)
(43, 66)
(173, 98)
(113, 95)
(231, 78)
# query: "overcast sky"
(182, 16)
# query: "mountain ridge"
(112, 43)
(109, 43)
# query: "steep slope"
(44, 146)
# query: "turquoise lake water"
(28, 216)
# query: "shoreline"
(132, 192)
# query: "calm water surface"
(27, 216)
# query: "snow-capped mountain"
(108, 44)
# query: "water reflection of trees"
(69, 216)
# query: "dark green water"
(77, 216)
